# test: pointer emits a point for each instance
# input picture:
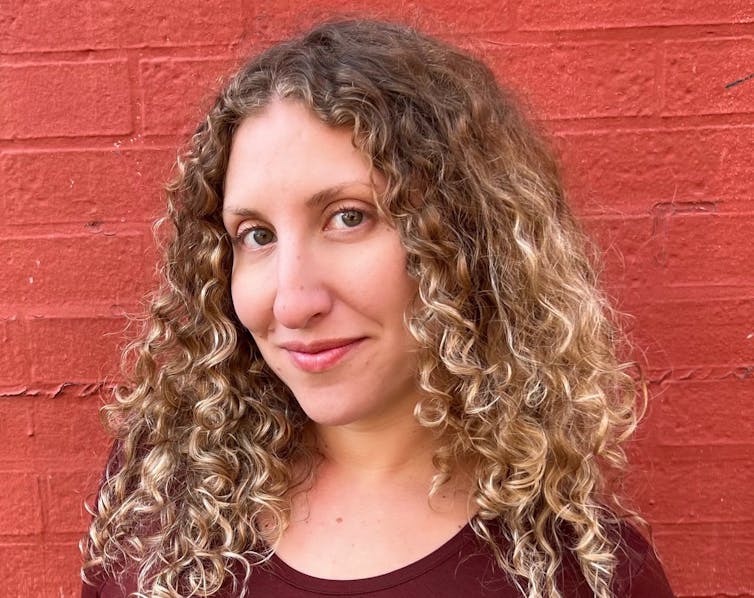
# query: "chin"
(342, 405)
(330, 417)
(334, 408)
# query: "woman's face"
(319, 279)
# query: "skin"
(319, 279)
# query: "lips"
(321, 355)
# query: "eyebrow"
(316, 200)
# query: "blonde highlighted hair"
(518, 346)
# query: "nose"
(302, 294)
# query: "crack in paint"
(71, 389)
(739, 81)
(669, 375)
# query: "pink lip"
(322, 355)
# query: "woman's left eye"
(347, 218)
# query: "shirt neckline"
(343, 587)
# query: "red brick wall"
(657, 140)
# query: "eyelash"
(238, 239)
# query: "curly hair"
(518, 347)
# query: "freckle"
(301, 288)
(338, 520)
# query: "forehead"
(286, 150)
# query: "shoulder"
(638, 572)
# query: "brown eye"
(257, 237)
(350, 218)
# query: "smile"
(322, 356)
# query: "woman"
(379, 364)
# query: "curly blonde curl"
(518, 347)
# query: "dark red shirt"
(461, 568)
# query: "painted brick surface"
(98, 24)
(653, 166)
(679, 246)
(588, 80)
(706, 249)
(64, 494)
(176, 91)
(62, 576)
(709, 77)
(273, 19)
(68, 434)
(705, 498)
(14, 360)
(650, 107)
(64, 99)
(41, 432)
(720, 551)
(110, 185)
(53, 272)
(22, 569)
(22, 513)
(697, 412)
(588, 14)
(673, 337)
(627, 250)
(75, 350)
(17, 432)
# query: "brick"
(456, 17)
(177, 91)
(62, 566)
(20, 509)
(708, 560)
(588, 14)
(578, 80)
(62, 270)
(69, 434)
(65, 493)
(22, 570)
(14, 358)
(628, 172)
(709, 250)
(698, 75)
(627, 250)
(697, 485)
(64, 99)
(98, 24)
(84, 186)
(17, 431)
(74, 350)
(64, 431)
(700, 412)
(276, 19)
(687, 333)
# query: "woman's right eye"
(256, 237)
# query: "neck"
(379, 450)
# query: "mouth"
(320, 356)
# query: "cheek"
(249, 301)
(386, 285)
